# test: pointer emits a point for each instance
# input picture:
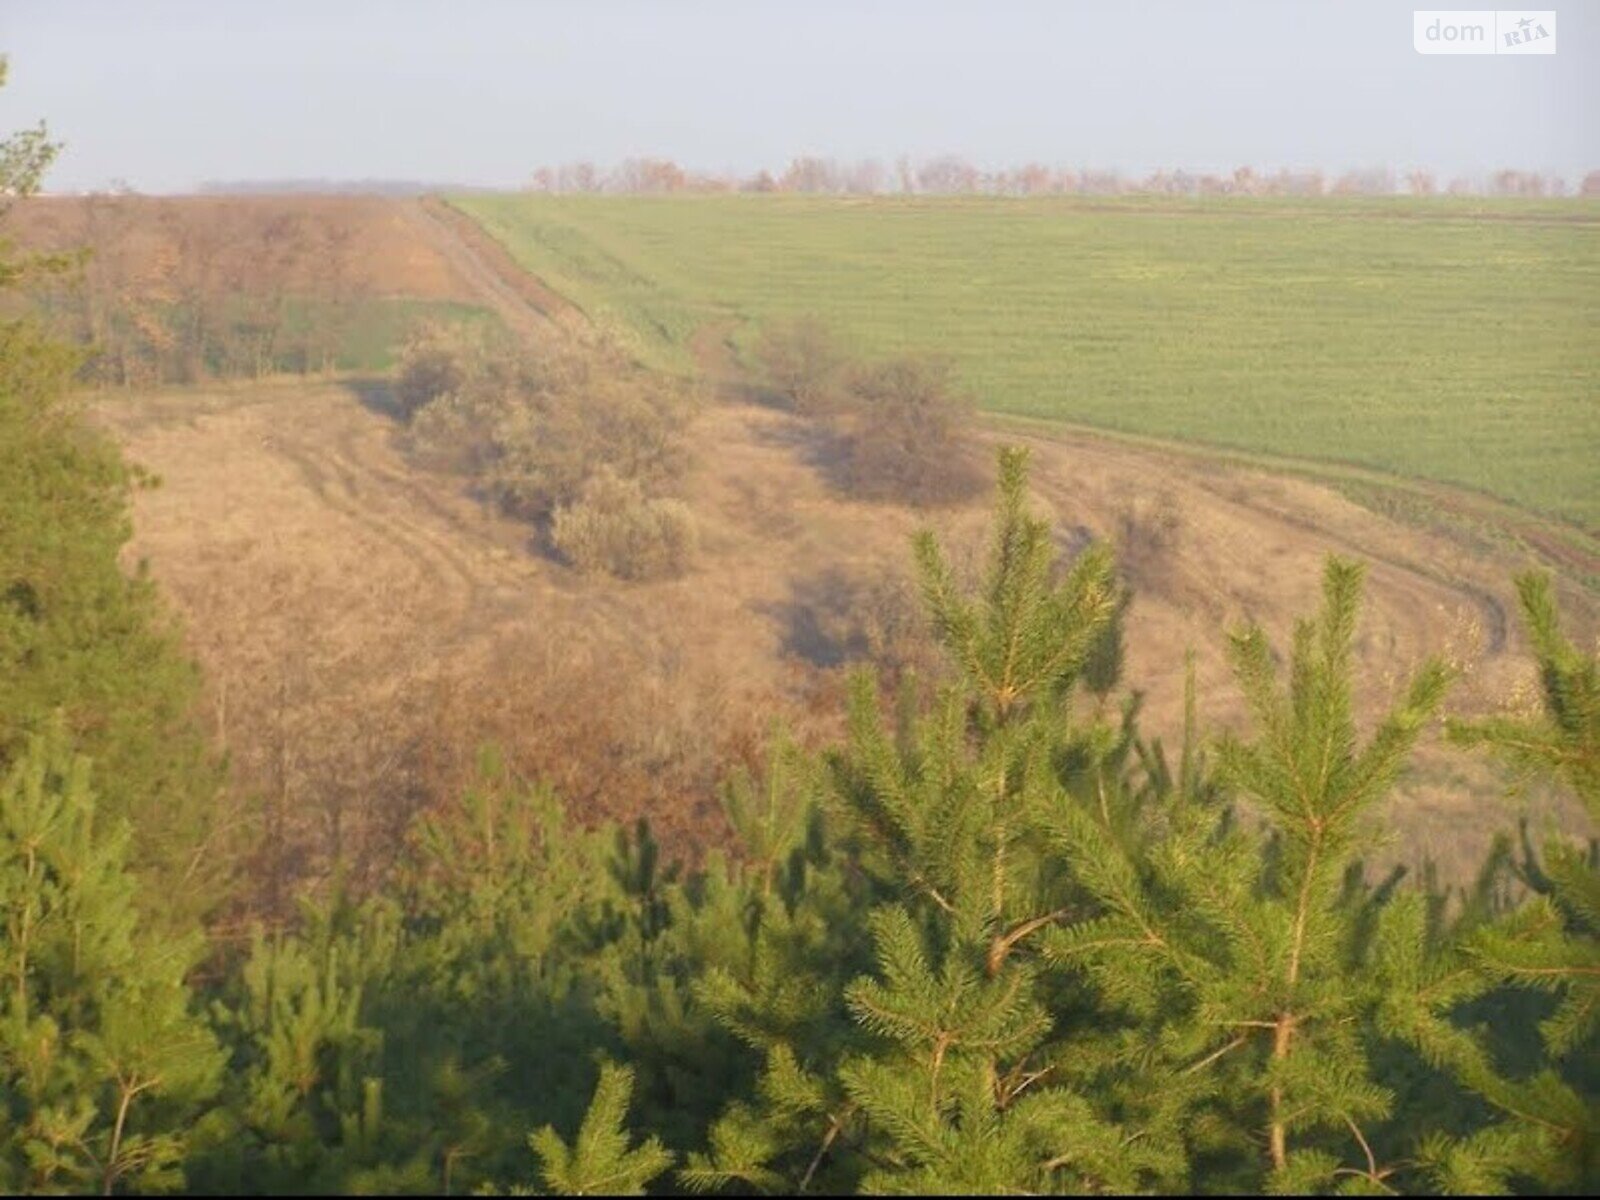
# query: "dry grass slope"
(394, 622)
(366, 623)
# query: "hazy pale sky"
(164, 94)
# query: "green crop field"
(1442, 339)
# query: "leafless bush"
(619, 726)
(558, 422)
(903, 433)
(535, 423)
(613, 527)
(436, 361)
(801, 361)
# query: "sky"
(162, 95)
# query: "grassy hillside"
(1449, 340)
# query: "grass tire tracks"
(522, 301)
(371, 500)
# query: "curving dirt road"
(523, 302)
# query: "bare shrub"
(897, 428)
(533, 424)
(450, 432)
(619, 726)
(801, 361)
(436, 361)
(560, 418)
(613, 527)
(904, 433)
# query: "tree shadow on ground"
(376, 394)
(853, 614)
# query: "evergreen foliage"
(1551, 944)
(1092, 971)
(600, 1162)
(102, 1059)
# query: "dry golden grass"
(365, 623)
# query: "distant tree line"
(333, 187)
(952, 175)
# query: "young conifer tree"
(103, 1063)
(601, 1161)
(1263, 964)
(775, 980)
(959, 1087)
(936, 1069)
(306, 1104)
(1550, 944)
